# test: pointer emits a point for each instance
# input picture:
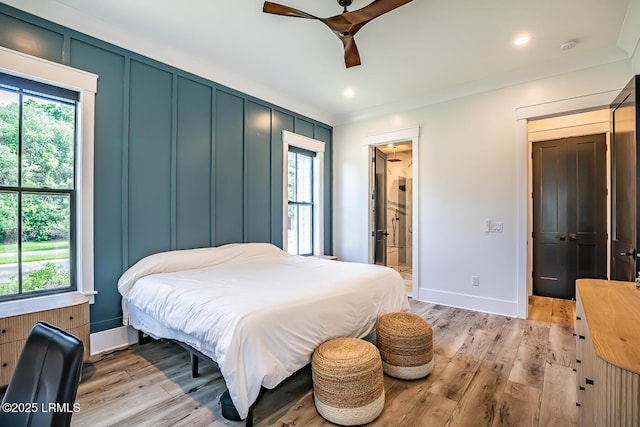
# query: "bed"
(255, 310)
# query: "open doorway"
(392, 210)
(383, 140)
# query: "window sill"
(45, 302)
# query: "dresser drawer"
(18, 327)
(10, 352)
(66, 317)
(68, 311)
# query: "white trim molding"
(310, 144)
(86, 84)
(410, 134)
(393, 136)
(629, 35)
(524, 177)
(113, 339)
(470, 302)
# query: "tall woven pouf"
(405, 341)
(348, 383)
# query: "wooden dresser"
(608, 353)
(69, 311)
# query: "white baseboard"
(469, 302)
(113, 339)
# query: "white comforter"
(258, 311)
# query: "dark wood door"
(569, 219)
(380, 207)
(624, 185)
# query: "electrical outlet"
(475, 281)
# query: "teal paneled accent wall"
(228, 174)
(193, 164)
(149, 199)
(180, 161)
(257, 164)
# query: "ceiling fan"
(345, 25)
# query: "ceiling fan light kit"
(344, 26)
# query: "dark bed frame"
(228, 410)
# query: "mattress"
(256, 310)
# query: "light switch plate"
(496, 226)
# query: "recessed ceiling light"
(522, 40)
(348, 93)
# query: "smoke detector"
(568, 44)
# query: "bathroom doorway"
(393, 208)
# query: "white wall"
(470, 170)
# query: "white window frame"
(86, 84)
(290, 139)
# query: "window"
(46, 178)
(37, 187)
(303, 177)
(300, 200)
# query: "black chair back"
(43, 388)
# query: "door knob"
(572, 236)
(562, 236)
(632, 253)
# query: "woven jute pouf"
(405, 341)
(348, 383)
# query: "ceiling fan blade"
(373, 10)
(351, 54)
(345, 25)
(278, 9)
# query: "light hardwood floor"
(489, 371)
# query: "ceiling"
(423, 52)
